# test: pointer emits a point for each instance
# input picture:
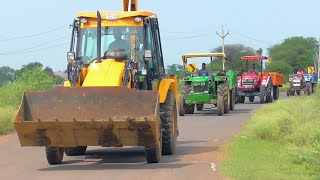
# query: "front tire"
(262, 94)
(199, 107)
(54, 155)
(251, 98)
(168, 116)
(232, 99)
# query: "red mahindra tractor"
(262, 84)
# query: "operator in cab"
(253, 69)
(203, 71)
(119, 43)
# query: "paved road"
(200, 137)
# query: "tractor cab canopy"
(192, 67)
(254, 58)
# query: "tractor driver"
(253, 69)
(203, 71)
(119, 43)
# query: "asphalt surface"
(201, 135)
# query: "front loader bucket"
(89, 116)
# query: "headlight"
(290, 79)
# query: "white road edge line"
(213, 166)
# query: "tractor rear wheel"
(182, 110)
(168, 116)
(222, 90)
(76, 151)
(251, 98)
(269, 97)
(220, 105)
(189, 109)
(309, 88)
(232, 99)
(199, 107)
(54, 155)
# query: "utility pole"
(222, 36)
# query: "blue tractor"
(308, 84)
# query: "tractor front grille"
(200, 87)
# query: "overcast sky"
(186, 26)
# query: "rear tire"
(188, 109)
(232, 99)
(54, 155)
(199, 107)
(251, 98)
(220, 105)
(309, 88)
(262, 94)
(222, 90)
(269, 97)
(168, 116)
(76, 151)
(182, 110)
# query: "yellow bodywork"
(98, 111)
(200, 55)
(107, 73)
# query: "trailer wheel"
(168, 116)
(76, 151)
(275, 93)
(241, 99)
(314, 88)
(54, 155)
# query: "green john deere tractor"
(218, 88)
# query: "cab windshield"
(129, 39)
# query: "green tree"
(281, 67)
(175, 69)
(27, 67)
(233, 54)
(6, 75)
(296, 51)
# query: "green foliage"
(280, 67)
(251, 158)
(175, 69)
(294, 124)
(6, 75)
(6, 116)
(29, 80)
(296, 51)
(233, 53)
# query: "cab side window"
(159, 56)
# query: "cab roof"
(199, 55)
(119, 15)
(253, 58)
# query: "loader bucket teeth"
(84, 116)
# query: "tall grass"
(292, 123)
(11, 94)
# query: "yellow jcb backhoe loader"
(117, 93)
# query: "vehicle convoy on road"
(216, 88)
(117, 94)
(308, 84)
(262, 84)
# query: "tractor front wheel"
(251, 98)
(199, 107)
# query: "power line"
(254, 39)
(185, 37)
(33, 35)
(24, 52)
